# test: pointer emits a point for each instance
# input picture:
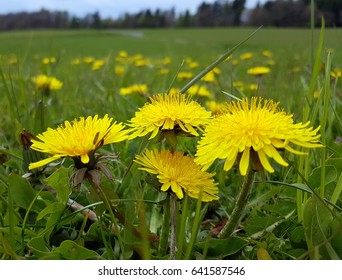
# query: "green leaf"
(70, 250)
(336, 229)
(222, 247)
(59, 180)
(21, 190)
(315, 176)
(53, 208)
(317, 219)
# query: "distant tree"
(205, 15)
(238, 6)
(96, 20)
(184, 20)
(75, 22)
(332, 9)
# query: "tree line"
(279, 13)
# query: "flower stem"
(241, 202)
(165, 229)
(173, 241)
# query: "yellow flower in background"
(141, 89)
(336, 72)
(88, 59)
(235, 62)
(76, 61)
(166, 61)
(270, 62)
(239, 85)
(209, 77)
(164, 71)
(254, 131)
(267, 53)
(119, 70)
(179, 173)
(216, 71)
(78, 139)
(123, 54)
(217, 108)
(184, 75)
(253, 87)
(199, 90)
(97, 64)
(246, 56)
(48, 60)
(44, 82)
(259, 70)
(169, 112)
(193, 64)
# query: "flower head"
(47, 83)
(259, 70)
(169, 112)
(78, 139)
(258, 131)
(180, 173)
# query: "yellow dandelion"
(267, 53)
(253, 87)
(119, 70)
(336, 72)
(199, 90)
(209, 77)
(166, 112)
(88, 59)
(257, 131)
(259, 70)
(239, 85)
(76, 61)
(184, 75)
(78, 139)
(179, 173)
(217, 108)
(164, 71)
(141, 89)
(246, 56)
(193, 64)
(97, 64)
(44, 82)
(48, 60)
(235, 62)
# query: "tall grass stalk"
(324, 120)
(309, 113)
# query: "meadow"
(67, 209)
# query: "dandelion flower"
(199, 90)
(167, 112)
(97, 64)
(47, 83)
(78, 139)
(246, 56)
(259, 70)
(180, 173)
(255, 131)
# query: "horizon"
(106, 8)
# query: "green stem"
(106, 202)
(165, 230)
(181, 235)
(240, 205)
(195, 228)
(173, 241)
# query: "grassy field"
(292, 213)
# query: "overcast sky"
(107, 8)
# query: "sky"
(106, 8)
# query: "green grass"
(36, 224)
